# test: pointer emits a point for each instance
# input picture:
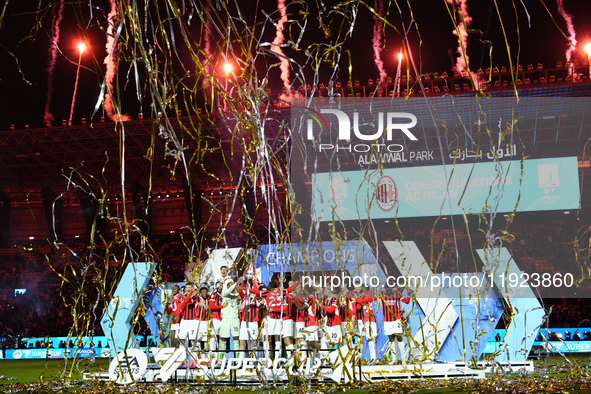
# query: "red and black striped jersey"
(324, 302)
(277, 301)
(288, 307)
(249, 308)
(189, 307)
(215, 305)
(348, 308)
(391, 304)
(311, 317)
(201, 309)
(352, 303)
(277, 304)
(360, 304)
(274, 301)
(175, 309)
(331, 312)
(298, 314)
(365, 310)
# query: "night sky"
(23, 104)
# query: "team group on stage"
(251, 313)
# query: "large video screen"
(531, 185)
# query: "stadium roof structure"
(33, 158)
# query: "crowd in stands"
(40, 311)
(569, 313)
(36, 313)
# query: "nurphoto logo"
(363, 131)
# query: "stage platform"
(325, 374)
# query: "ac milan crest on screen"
(386, 193)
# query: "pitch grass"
(27, 371)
